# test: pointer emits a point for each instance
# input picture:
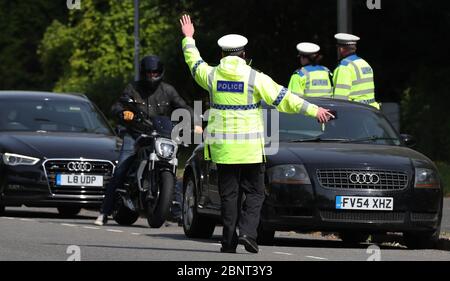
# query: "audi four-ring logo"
(79, 166)
(368, 178)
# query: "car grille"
(340, 179)
(361, 216)
(99, 167)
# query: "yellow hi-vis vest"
(235, 131)
(353, 80)
(311, 81)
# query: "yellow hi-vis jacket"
(311, 81)
(235, 131)
(353, 80)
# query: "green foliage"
(22, 24)
(94, 52)
(424, 112)
(444, 172)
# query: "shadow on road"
(41, 215)
(140, 248)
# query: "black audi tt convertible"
(56, 150)
(355, 176)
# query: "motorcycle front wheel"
(158, 208)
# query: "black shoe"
(228, 250)
(249, 244)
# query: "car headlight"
(12, 159)
(166, 148)
(426, 178)
(288, 174)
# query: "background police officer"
(353, 78)
(235, 130)
(312, 79)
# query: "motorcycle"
(149, 183)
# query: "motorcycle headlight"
(166, 148)
(288, 174)
(426, 178)
(12, 159)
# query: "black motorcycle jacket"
(161, 101)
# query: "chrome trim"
(71, 159)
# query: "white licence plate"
(364, 203)
(79, 180)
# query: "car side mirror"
(409, 140)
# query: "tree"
(94, 51)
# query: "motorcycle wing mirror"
(129, 100)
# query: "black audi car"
(354, 176)
(56, 150)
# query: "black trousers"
(236, 180)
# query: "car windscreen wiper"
(372, 138)
(318, 139)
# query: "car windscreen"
(352, 125)
(52, 116)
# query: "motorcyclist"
(155, 98)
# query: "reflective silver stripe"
(341, 97)
(308, 78)
(251, 86)
(210, 86)
(189, 46)
(343, 86)
(318, 91)
(364, 80)
(358, 75)
(234, 136)
(304, 107)
(362, 92)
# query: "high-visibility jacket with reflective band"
(235, 132)
(353, 80)
(311, 81)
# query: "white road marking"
(26, 220)
(114, 230)
(316, 258)
(8, 218)
(68, 224)
(282, 253)
(135, 233)
(91, 227)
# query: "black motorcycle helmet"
(151, 65)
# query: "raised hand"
(186, 26)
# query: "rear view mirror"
(409, 140)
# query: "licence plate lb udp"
(364, 203)
(79, 180)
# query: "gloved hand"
(128, 115)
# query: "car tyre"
(265, 236)
(2, 210)
(123, 215)
(68, 212)
(422, 240)
(353, 238)
(195, 225)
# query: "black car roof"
(330, 102)
(42, 95)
